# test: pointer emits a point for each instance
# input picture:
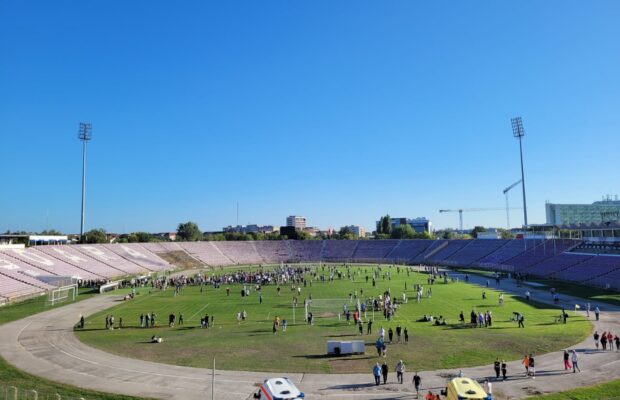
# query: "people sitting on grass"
(156, 339)
(440, 321)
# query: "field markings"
(198, 312)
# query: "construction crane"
(461, 210)
(506, 194)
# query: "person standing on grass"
(567, 365)
(376, 373)
(406, 333)
(417, 380)
(575, 359)
(384, 372)
(390, 334)
(369, 328)
(400, 370)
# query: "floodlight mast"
(507, 208)
(85, 134)
(518, 132)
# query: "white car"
(278, 389)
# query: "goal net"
(62, 294)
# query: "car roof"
(282, 387)
(469, 388)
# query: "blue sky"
(339, 111)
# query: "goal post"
(63, 293)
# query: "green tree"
(189, 232)
(445, 234)
(215, 237)
(403, 232)
(476, 230)
(96, 236)
(506, 234)
(345, 234)
(51, 232)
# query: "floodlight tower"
(85, 134)
(519, 132)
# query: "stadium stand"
(406, 250)
(373, 250)
(338, 250)
(597, 266)
(475, 251)
(207, 253)
(73, 257)
(138, 255)
(273, 251)
(110, 258)
(14, 286)
(557, 263)
(547, 249)
(430, 250)
(510, 250)
(10, 263)
(239, 252)
(306, 250)
(49, 264)
(446, 251)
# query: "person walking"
(526, 364)
(575, 359)
(376, 373)
(521, 319)
(567, 365)
(597, 312)
(400, 370)
(596, 337)
(504, 369)
(496, 367)
(604, 340)
(384, 372)
(417, 380)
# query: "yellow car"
(465, 389)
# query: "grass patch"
(603, 391)
(252, 346)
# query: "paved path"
(44, 345)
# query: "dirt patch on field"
(181, 259)
(326, 314)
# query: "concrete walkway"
(44, 345)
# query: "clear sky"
(340, 111)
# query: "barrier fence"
(20, 393)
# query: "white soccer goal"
(63, 293)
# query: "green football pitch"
(251, 345)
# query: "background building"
(572, 214)
(296, 221)
(419, 225)
(357, 230)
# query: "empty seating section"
(508, 251)
(10, 263)
(139, 255)
(431, 249)
(52, 265)
(273, 251)
(557, 263)
(452, 247)
(12, 288)
(594, 267)
(544, 250)
(476, 250)
(73, 257)
(339, 249)
(207, 253)
(407, 249)
(306, 250)
(108, 257)
(374, 250)
(239, 252)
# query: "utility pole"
(85, 134)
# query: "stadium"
(395, 128)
